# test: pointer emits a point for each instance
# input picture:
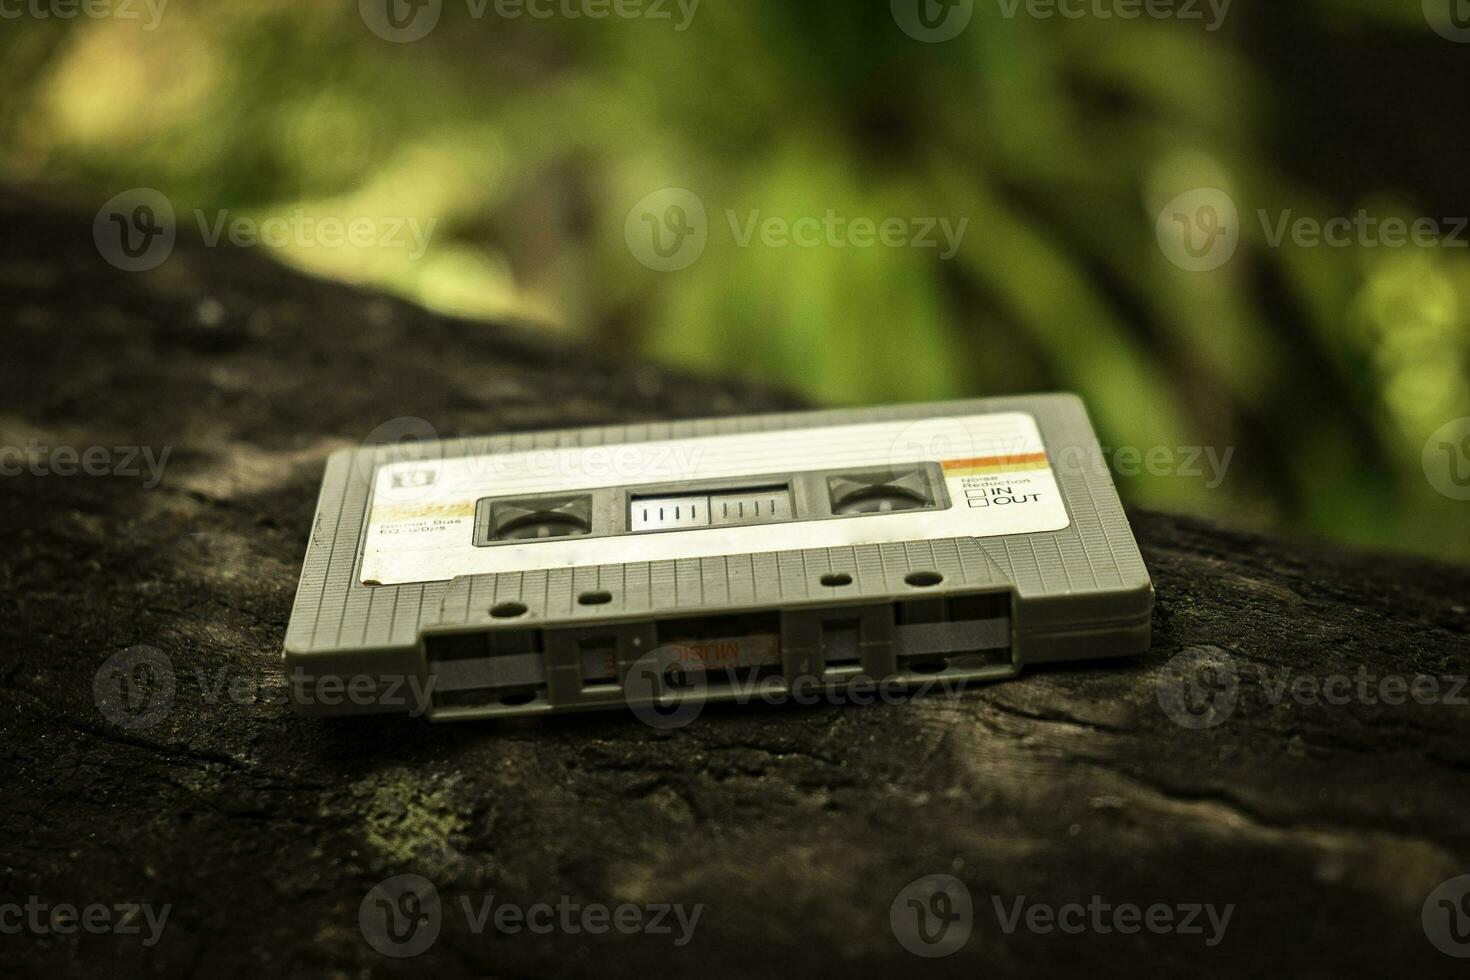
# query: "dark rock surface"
(1326, 825)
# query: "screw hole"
(833, 579)
(508, 610)
(922, 580)
(598, 598)
(518, 699)
(929, 667)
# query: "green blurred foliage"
(528, 140)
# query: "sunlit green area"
(524, 143)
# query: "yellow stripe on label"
(994, 464)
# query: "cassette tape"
(643, 565)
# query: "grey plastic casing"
(1078, 593)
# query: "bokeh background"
(530, 141)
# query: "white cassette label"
(421, 526)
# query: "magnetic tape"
(648, 565)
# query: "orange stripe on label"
(994, 462)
